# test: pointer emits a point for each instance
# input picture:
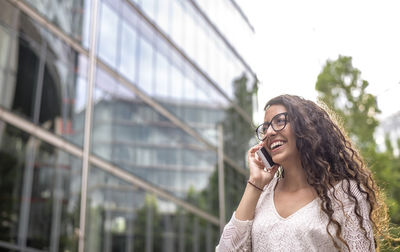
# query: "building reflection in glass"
(165, 79)
(40, 192)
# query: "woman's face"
(280, 144)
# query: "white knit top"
(304, 230)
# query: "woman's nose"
(270, 132)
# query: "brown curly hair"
(328, 156)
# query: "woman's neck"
(294, 178)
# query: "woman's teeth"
(276, 144)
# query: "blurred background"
(124, 124)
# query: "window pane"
(163, 15)
(55, 200)
(122, 217)
(135, 137)
(149, 7)
(63, 100)
(162, 75)
(177, 84)
(108, 26)
(48, 81)
(177, 22)
(146, 66)
(191, 35)
(25, 83)
(40, 191)
(8, 66)
(127, 65)
(234, 187)
(13, 151)
(70, 16)
(117, 214)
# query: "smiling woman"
(327, 199)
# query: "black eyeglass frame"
(270, 124)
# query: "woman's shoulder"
(349, 187)
(346, 192)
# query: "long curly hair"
(328, 156)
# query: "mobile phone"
(266, 158)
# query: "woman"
(324, 200)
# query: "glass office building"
(124, 124)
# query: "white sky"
(295, 38)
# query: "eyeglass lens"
(277, 123)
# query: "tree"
(237, 131)
(392, 175)
(341, 88)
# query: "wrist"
(257, 180)
(255, 185)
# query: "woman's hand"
(259, 178)
(258, 175)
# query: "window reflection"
(122, 217)
(234, 185)
(190, 35)
(40, 192)
(12, 162)
(48, 86)
(108, 34)
(146, 66)
(162, 75)
(232, 25)
(132, 135)
(45, 81)
(163, 15)
(203, 45)
(150, 7)
(8, 66)
(127, 65)
(177, 82)
(177, 23)
(54, 211)
(69, 16)
(26, 79)
(190, 89)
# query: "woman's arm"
(258, 179)
(356, 237)
(236, 236)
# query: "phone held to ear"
(266, 158)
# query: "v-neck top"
(272, 202)
(303, 230)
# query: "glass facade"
(40, 191)
(109, 117)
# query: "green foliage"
(341, 88)
(237, 132)
(148, 225)
(393, 189)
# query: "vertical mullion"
(39, 83)
(221, 177)
(88, 123)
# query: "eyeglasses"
(277, 123)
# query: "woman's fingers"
(255, 148)
(252, 155)
(259, 163)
